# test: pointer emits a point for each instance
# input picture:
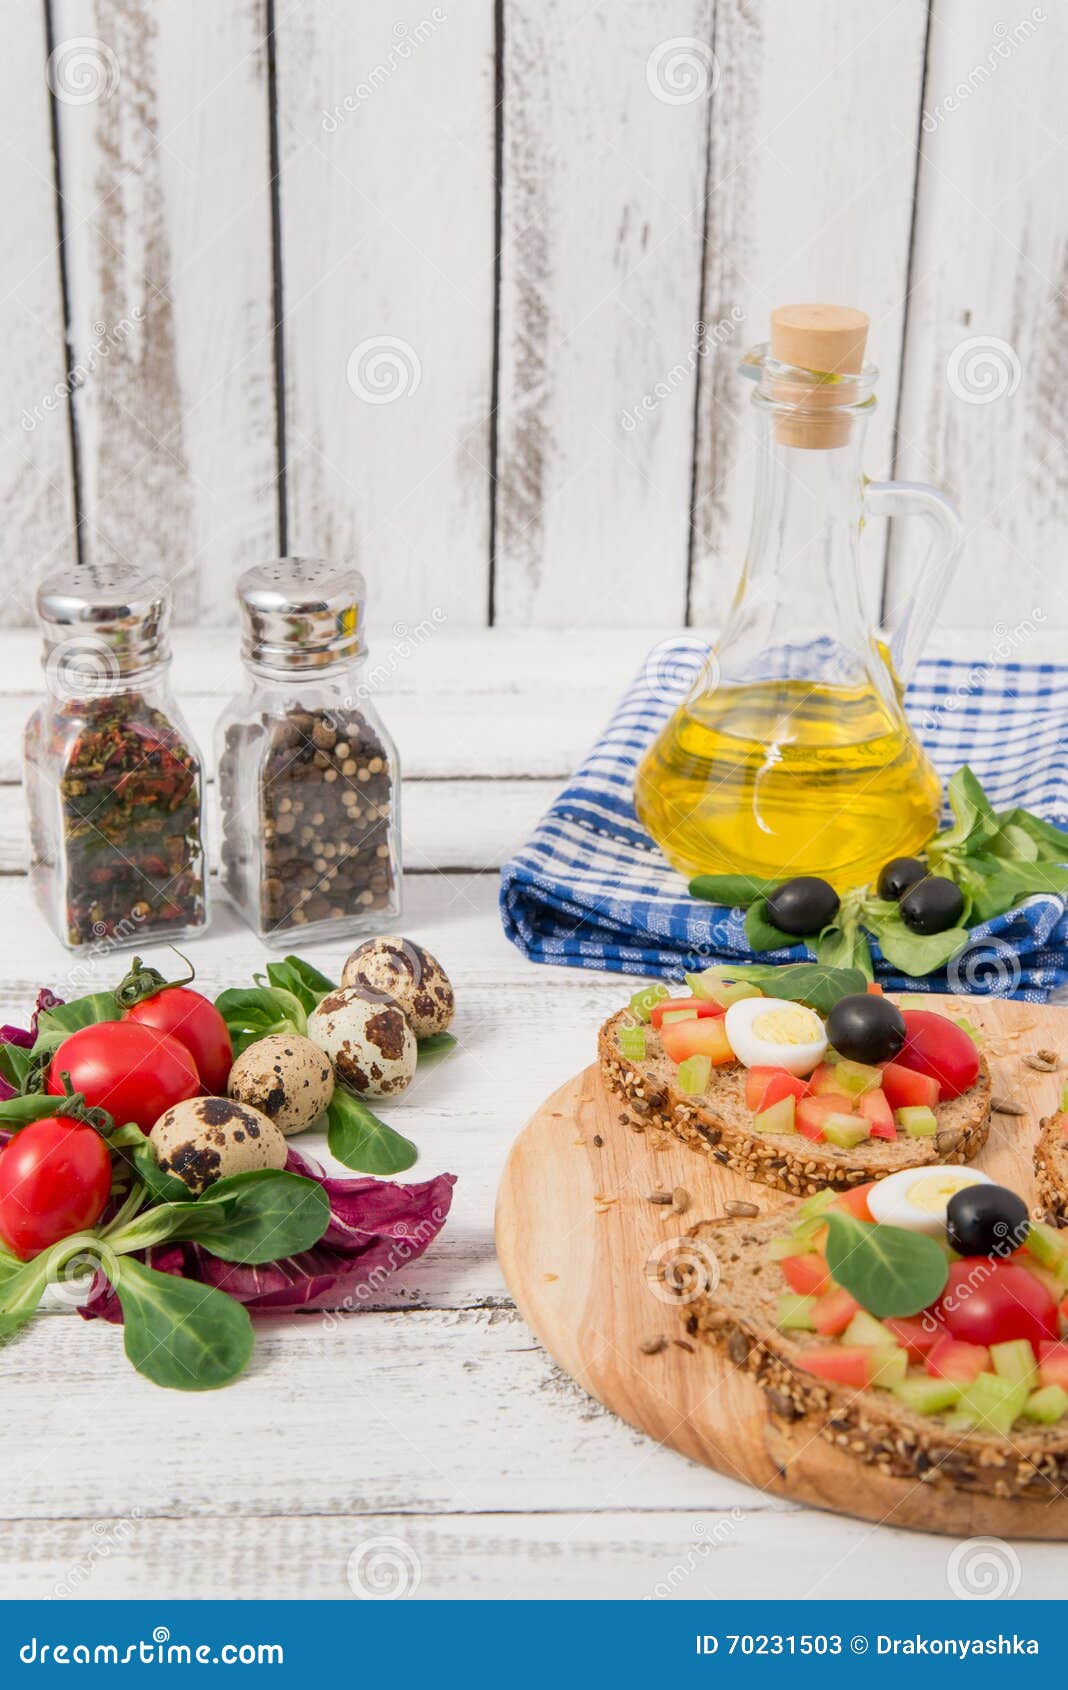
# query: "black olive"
(932, 905)
(865, 1028)
(803, 905)
(986, 1220)
(898, 875)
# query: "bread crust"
(737, 1316)
(719, 1124)
(1051, 1168)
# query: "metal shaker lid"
(102, 623)
(301, 613)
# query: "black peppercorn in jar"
(308, 777)
(113, 778)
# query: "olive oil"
(787, 777)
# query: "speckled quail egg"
(916, 1198)
(207, 1138)
(285, 1077)
(367, 1037)
(408, 973)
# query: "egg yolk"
(798, 1026)
(933, 1193)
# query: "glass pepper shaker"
(308, 776)
(114, 781)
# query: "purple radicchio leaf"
(375, 1228)
(25, 1038)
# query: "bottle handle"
(913, 498)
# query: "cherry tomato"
(133, 1072)
(939, 1048)
(988, 1302)
(195, 1022)
(55, 1178)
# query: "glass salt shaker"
(308, 776)
(114, 781)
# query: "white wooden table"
(432, 1417)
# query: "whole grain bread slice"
(717, 1123)
(1051, 1168)
(736, 1314)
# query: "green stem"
(134, 1201)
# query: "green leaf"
(14, 1064)
(1014, 844)
(974, 818)
(360, 1140)
(299, 978)
(891, 1273)
(917, 954)
(997, 886)
(178, 1333)
(435, 1046)
(737, 891)
(16, 1112)
(845, 947)
(1052, 842)
(262, 1215)
(762, 934)
(253, 1012)
(22, 1286)
(800, 982)
(55, 1025)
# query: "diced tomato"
(765, 1086)
(855, 1202)
(952, 1359)
(703, 1008)
(811, 1112)
(834, 1311)
(703, 1037)
(822, 1080)
(905, 1089)
(806, 1274)
(916, 1333)
(1053, 1364)
(936, 1046)
(839, 1364)
(879, 1129)
(874, 1108)
(874, 989)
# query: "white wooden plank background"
(166, 208)
(432, 1418)
(514, 215)
(985, 364)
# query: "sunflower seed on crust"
(1044, 1060)
(739, 1210)
(1006, 1106)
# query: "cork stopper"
(829, 342)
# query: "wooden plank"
(36, 487)
(167, 219)
(988, 323)
(470, 826)
(386, 137)
(604, 169)
(616, 1554)
(812, 160)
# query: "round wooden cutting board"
(575, 1231)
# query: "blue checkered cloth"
(592, 889)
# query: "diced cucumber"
(1015, 1361)
(817, 1204)
(925, 1395)
(644, 1001)
(795, 1313)
(1047, 1406)
(889, 1366)
(845, 1130)
(917, 1122)
(993, 1403)
(678, 1015)
(865, 1329)
(692, 1076)
(631, 1041)
(710, 984)
(795, 1243)
(1049, 1247)
(855, 1078)
(779, 1118)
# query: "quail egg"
(410, 975)
(367, 1037)
(916, 1198)
(773, 1033)
(207, 1138)
(285, 1077)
